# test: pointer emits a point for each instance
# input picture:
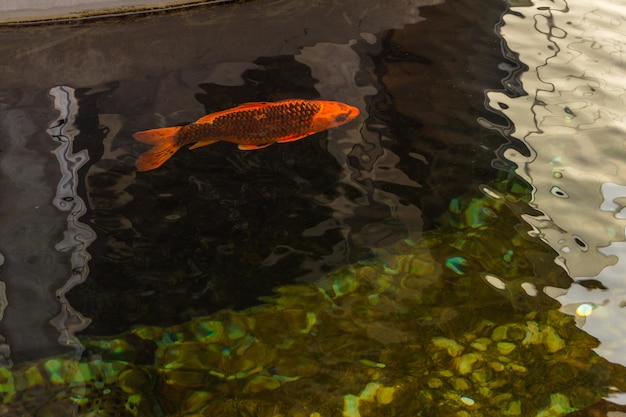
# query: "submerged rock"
(396, 334)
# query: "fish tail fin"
(164, 146)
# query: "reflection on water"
(573, 124)
(572, 127)
(408, 274)
(33, 269)
(77, 236)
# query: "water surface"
(420, 259)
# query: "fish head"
(333, 114)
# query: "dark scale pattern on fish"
(255, 125)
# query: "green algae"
(400, 334)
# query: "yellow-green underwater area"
(416, 330)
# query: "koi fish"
(250, 125)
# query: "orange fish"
(250, 125)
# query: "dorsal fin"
(251, 104)
(210, 117)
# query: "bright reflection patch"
(495, 282)
(491, 193)
(530, 288)
(467, 400)
(584, 310)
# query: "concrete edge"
(37, 16)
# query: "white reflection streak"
(574, 122)
(78, 236)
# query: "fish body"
(250, 125)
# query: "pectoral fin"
(202, 143)
(253, 147)
(294, 138)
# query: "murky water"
(421, 259)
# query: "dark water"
(223, 226)
(409, 251)
(240, 223)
